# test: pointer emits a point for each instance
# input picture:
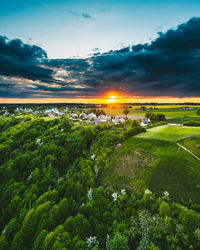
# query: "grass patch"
(193, 144)
(170, 133)
(153, 160)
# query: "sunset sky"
(99, 51)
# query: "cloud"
(22, 60)
(81, 14)
(86, 15)
(168, 66)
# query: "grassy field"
(154, 160)
(170, 133)
(193, 144)
(174, 113)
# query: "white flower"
(38, 142)
(92, 156)
(166, 193)
(92, 242)
(147, 191)
(89, 194)
(115, 196)
(30, 176)
(123, 191)
(96, 170)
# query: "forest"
(52, 195)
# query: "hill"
(154, 160)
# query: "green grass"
(193, 144)
(170, 133)
(153, 160)
(183, 119)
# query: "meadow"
(153, 160)
(170, 133)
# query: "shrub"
(192, 123)
(132, 131)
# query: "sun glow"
(112, 99)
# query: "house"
(97, 121)
(61, 113)
(6, 114)
(92, 115)
(104, 118)
(121, 119)
(115, 121)
(52, 114)
(144, 121)
(47, 111)
(74, 115)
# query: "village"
(76, 115)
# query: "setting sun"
(112, 99)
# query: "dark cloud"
(22, 60)
(83, 14)
(86, 15)
(168, 66)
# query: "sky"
(86, 50)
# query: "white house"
(145, 121)
(92, 115)
(74, 115)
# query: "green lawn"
(170, 133)
(153, 160)
(193, 144)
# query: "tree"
(67, 123)
(118, 242)
(135, 123)
(126, 112)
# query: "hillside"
(153, 160)
(52, 195)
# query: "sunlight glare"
(112, 99)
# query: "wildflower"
(92, 242)
(96, 170)
(123, 191)
(38, 142)
(92, 156)
(89, 194)
(147, 191)
(166, 194)
(115, 196)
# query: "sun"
(112, 99)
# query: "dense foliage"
(156, 117)
(192, 123)
(51, 195)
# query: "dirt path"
(188, 151)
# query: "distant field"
(174, 113)
(170, 133)
(153, 160)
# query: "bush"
(135, 123)
(156, 117)
(132, 131)
(192, 123)
(152, 125)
